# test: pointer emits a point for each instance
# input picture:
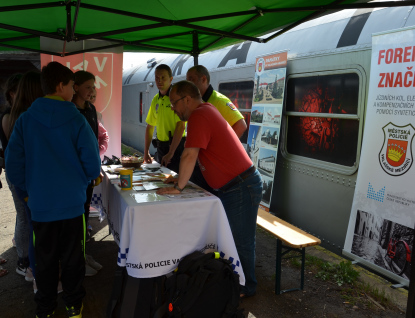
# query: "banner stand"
(396, 278)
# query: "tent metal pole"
(75, 19)
(30, 31)
(161, 48)
(31, 6)
(235, 29)
(29, 49)
(195, 51)
(94, 49)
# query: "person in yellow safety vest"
(170, 129)
(200, 76)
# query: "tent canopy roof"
(181, 26)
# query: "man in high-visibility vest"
(200, 76)
(170, 130)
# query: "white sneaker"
(21, 270)
(89, 271)
(29, 275)
(93, 263)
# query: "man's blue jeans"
(241, 204)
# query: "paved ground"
(318, 299)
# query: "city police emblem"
(231, 105)
(260, 66)
(395, 157)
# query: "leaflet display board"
(381, 225)
(264, 130)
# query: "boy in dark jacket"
(52, 154)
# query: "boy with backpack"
(52, 154)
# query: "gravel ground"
(318, 299)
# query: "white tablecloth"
(153, 237)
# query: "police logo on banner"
(395, 157)
(260, 66)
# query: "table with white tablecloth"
(153, 236)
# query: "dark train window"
(333, 138)
(240, 93)
(333, 94)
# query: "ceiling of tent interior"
(174, 26)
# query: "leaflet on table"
(155, 185)
(148, 197)
(190, 192)
(150, 176)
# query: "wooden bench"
(288, 237)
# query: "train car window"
(336, 94)
(141, 107)
(322, 121)
(240, 93)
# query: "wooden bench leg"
(278, 265)
(302, 267)
(278, 268)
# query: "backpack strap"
(194, 292)
(231, 309)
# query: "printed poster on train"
(381, 225)
(264, 129)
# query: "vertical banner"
(107, 68)
(264, 130)
(381, 225)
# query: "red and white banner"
(107, 68)
(381, 225)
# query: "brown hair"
(11, 87)
(28, 90)
(200, 71)
(53, 74)
(186, 88)
(81, 77)
(166, 68)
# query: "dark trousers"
(22, 195)
(162, 150)
(59, 241)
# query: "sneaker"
(89, 271)
(93, 263)
(29, 275)
(21, 270)
(75, 313)
(87, 236)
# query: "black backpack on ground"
(202, 287)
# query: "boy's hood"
(52, 113)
